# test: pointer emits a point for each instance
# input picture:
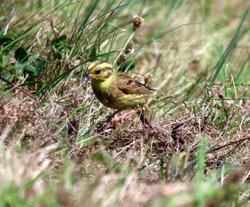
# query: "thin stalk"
(124, 47)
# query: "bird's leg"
(124, 116)
(145, 120)
(141, 113)
(113, 119)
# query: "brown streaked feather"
(130, 86)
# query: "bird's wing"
(130, 86)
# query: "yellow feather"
(107, 82)
(115, 90)
(97, 65)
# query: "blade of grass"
(4, 28)
(56, 80)
(237, 79)
(89, 10)
(230, 47)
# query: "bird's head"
(100, 71)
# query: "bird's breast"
(105, 94)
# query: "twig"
(22, 90)
(231, 143)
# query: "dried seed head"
(148, 80)
(137, 21)
(130, 48)
(121, 59)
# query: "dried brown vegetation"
(131, 145)
(54, 150)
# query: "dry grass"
(132, 148)
(53, 153)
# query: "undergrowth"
(53, 151)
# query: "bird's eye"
(97, 72)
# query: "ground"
(54, 149)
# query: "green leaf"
(21, 55)
(4, 40)
(20, 37)
(60, 43)
(31, 68)
(40, 65)
(87, 141)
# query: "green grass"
(197, 55)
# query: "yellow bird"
(116, 90)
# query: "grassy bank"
(52, 151)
